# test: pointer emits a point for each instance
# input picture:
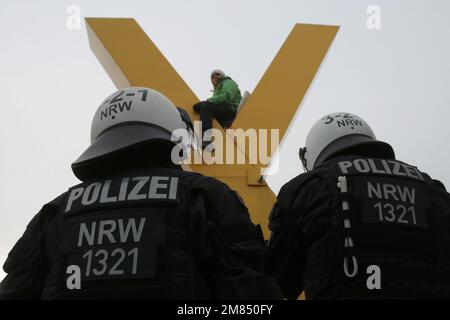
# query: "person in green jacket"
(222, 106)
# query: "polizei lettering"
(379, 166)
(127, 189)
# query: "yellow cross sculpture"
(132, 59)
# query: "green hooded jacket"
(227, 92)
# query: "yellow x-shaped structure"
(132, 59)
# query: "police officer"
(138, 226)
(359, 223)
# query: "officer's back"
(359, 224)
(138, 226)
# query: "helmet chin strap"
(301, 154)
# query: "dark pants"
(223, 113)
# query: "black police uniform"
(383, 214)
(151, 233)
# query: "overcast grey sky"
(396, 78)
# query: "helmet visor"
(119, 138)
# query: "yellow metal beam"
(137, 57)
(131, 58)
(277, 97)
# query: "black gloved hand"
(197, 106)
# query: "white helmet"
(217, 71)
(335, 133)
(126, 118)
